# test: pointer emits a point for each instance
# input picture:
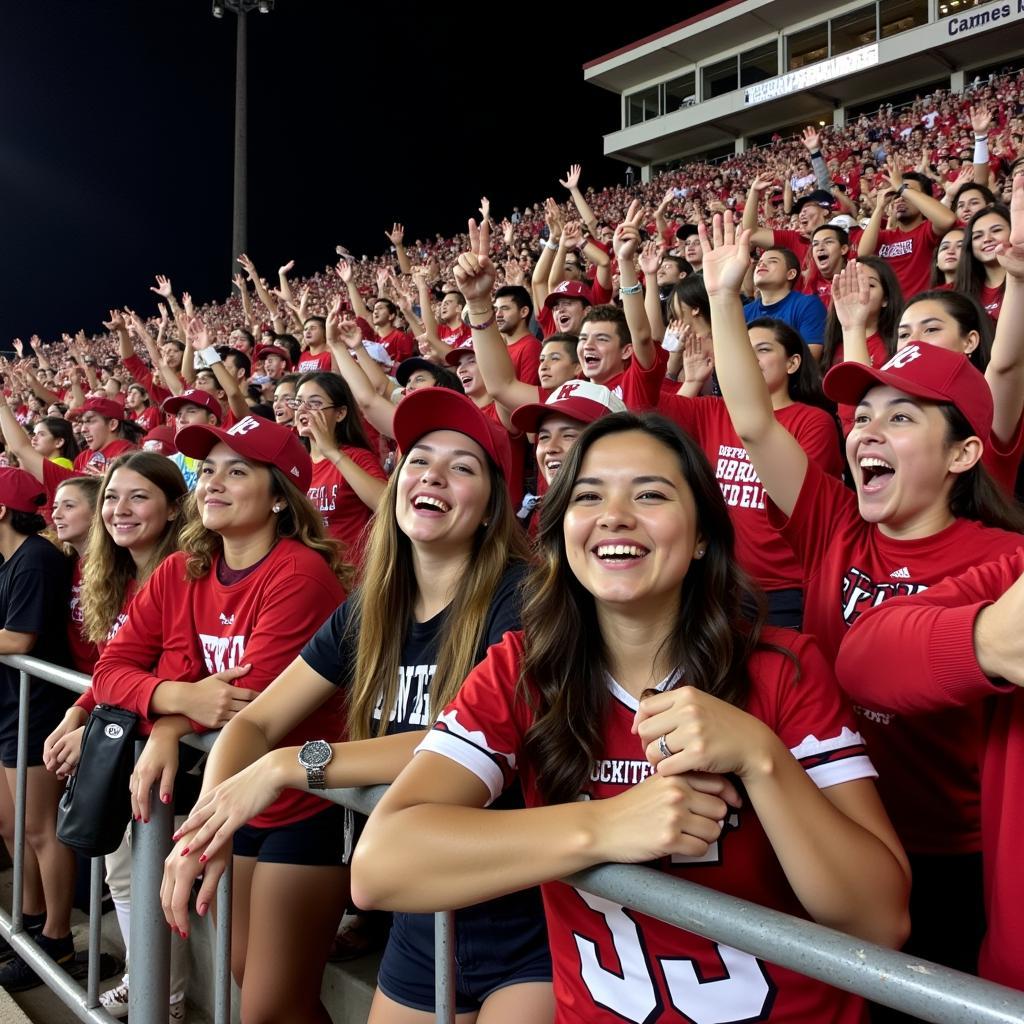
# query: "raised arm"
(397, 237)
(571, 241)
(761, 237)
(942, 218)
(1005, 371)
(850, 297)
(348, 279)
(626, 242)
(811, 138)
(203, 343)
(572, 182)
(554, 219)
(868, 244)
(776, 455)
(981, 119)
(343, 337)
(475, 275)
(17, 441)
(650, 257)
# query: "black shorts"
(499, 943)
(318, 841)
(47, 703)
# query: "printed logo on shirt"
(618, 772)
(77, 616)
(861, 592)
(324, 498)
(905, 247)
(118, 623)
(222, 652)
(412, 702)
(227, 620)
(741, 486)
(900, 574)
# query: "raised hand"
(248, 266)
(348, 332)
(1010, 253)
(553, 218)
(698, 353)
(474, 272)
(761, 182)
(728, 252)
(893, 173)
(344, 269)
(485, 208)
(811, 138)
(508, 231)
(396, 235)
(572, 177)
(286, 269)
(981, 118)
(19, 348)
(163, 286)
(626, 239)
(239, 282)
(36, 342)
(572, 234)
(201, 337)
(514, 273)
(650, 258)
(666, 201)
(850, 296)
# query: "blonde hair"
(109, 570)
(297, 520)
(381, 610)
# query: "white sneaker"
(115, 1000)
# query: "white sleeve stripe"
(471, 757)
(846, 770)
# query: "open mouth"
(620, 554)
(563, 320)
(875, 474)
(427, 503)
(591, 360)
(552, 465)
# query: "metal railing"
(925, 990)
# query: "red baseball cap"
(160, 440)
(569, 290)
(272, 350)
(924, 371)
(442, 409)
(578, 399)
(194, 396)
(255, 439)
(20, 490)
(454, 356)
(105, 407)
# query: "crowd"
(628, 515)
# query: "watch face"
(316, 753)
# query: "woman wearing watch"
(440, 584)
(252, 582)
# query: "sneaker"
(176, 1012)
(33, 925)
(115, 1000)
(17, 976)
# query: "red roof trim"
(664, 32)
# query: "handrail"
(925, 990)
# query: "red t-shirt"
(760, 549)
(345, 515)
(1003, 460)
(520, 454)
(525, 356)
(142, 374)
(992, 299)
(53, 477)
(640, 388)
(931, 638)
(187, 631)
(95, 463)
(612, 964)
(910, 255)
(310, 363)
(399, 344)
(546, 319)
(147, 418)
(850, 566)
(454, 336)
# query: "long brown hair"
(109, 570)
(297, 520)
(720, 618)
(381, 609)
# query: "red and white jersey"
(184, 630)
(318, 363)
(95, 462)
(849, 567)
(456, 336)
(612, 964)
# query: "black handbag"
(96, 806)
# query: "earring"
(699, 552)
(277, 508)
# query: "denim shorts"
(498, 943)
(318, 841)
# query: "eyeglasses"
(314, 405)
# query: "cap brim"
(198, 440)
(528, 418)
(848, 383)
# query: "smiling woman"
(635, 594)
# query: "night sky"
(117, 122)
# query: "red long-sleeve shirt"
(928, 641)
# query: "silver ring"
(663, 747)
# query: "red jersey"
(456, 337)
(639, 388)
(399, 344)
(94, 463)
(310, 363)
(760, 549)
(612, 964)
(345, 515)
(1003, 460)
(525, 356)
(520, 454)
(850, 566)
(931, 638)
(142, 374)
(83, 652)
(186, 631)
(147, 418)
(910, 255)
(53, 477)
(992, 299)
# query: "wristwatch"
(315, 756)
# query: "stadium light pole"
(240, 203)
